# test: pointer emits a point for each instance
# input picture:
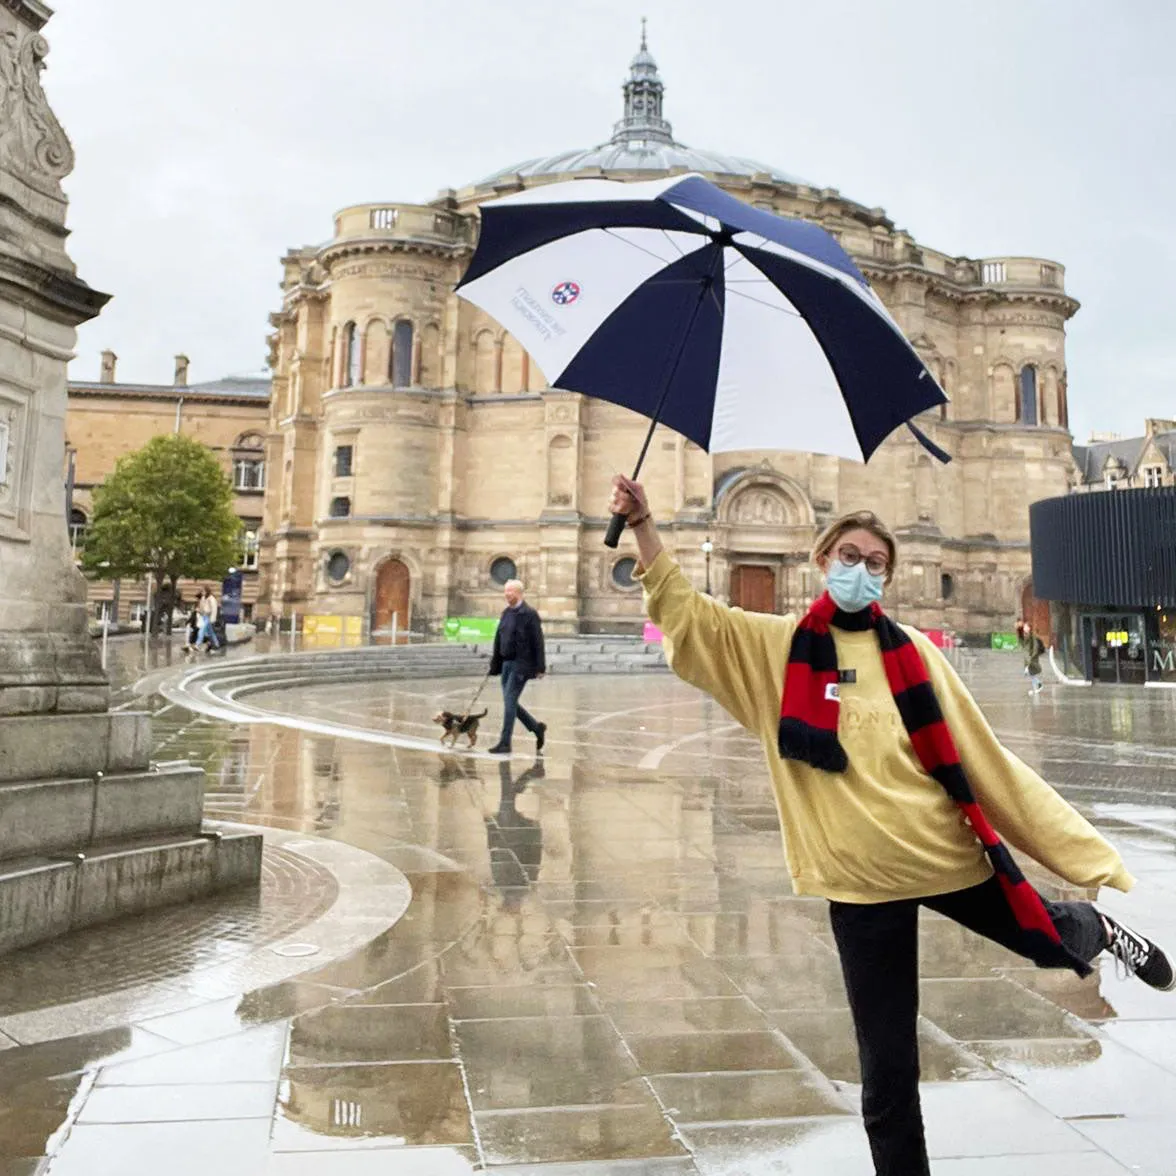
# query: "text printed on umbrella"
(534, 312)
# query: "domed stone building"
(418, 458)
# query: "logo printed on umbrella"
(565, 293)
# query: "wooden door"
(753, 588)
(392, 600)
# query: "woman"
(193, 622)
(209, 613)
(1033, 647)
(878, 756)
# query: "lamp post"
(707, 548)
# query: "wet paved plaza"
(601, 969)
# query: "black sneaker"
(1140, 957)
(499, 748)
(540, 738)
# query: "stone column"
(48, 662)
(90, 829)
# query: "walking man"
(518, 656)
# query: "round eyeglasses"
(876, 564)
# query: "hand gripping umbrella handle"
(616, 526)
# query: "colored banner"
(331, 632)
(476, 629)
(230, 605)
(1004, 641)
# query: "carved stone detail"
(760, 506)
(33, 145)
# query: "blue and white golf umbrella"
(737, 328)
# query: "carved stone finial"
(33, 147)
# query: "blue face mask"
(853, 588)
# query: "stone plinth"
(88, 828)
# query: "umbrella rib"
(681, 251)
(651, 253)
(769, 305)
(739, 256)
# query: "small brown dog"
(456, 725)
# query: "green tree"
(167, 509)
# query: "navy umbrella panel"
(737, 328)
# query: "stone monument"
(89, 829)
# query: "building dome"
(642, 141)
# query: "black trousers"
(879, 948)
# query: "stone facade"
(108, 420)
(417, 452)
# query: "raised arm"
(738, 658)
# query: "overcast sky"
(212, 137)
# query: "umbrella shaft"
(704, 286)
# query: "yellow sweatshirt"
(883, 829)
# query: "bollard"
(293, 630)
(147, 621)
(395, 619)
(105, 635)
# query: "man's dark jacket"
(519, 638)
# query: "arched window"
(249, 463)
(400, 361)
(351, 372)
(77, 529)
(1028, 400)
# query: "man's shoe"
(499, 748)
(540, 738)
(1139, 956)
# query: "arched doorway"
(391, 601)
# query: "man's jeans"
(512, 687)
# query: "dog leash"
(477, 695)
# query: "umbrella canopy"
(737, 328)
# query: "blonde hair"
(866, 520)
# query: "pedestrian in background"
(193, 622)
(1032, 647)
(209, 615)
(886, 773)
(518, 657)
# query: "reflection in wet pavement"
(602, 969)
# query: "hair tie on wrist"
(637, 522)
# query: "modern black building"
(1107, 564)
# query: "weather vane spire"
(643, 44)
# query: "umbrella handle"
(616, 528)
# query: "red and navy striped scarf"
(809, 713)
